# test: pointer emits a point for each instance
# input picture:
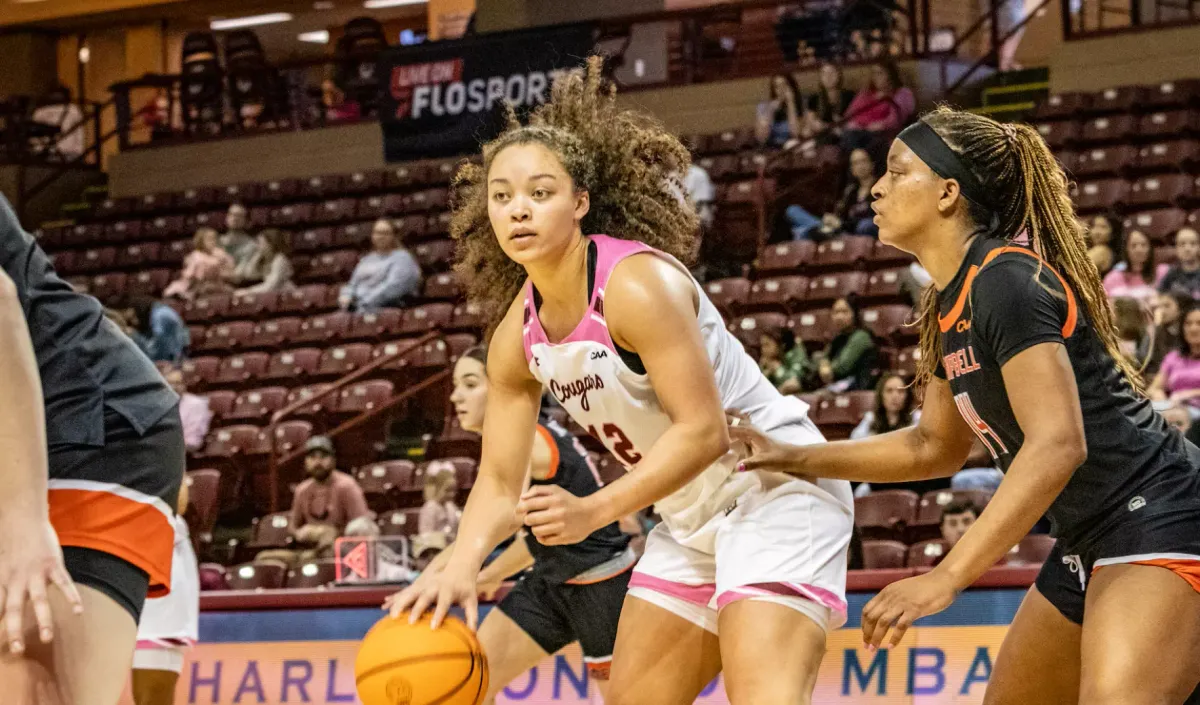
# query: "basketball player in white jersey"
(746, 574)
(169, 625)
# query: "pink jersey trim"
(146, 644)
(696, 594)
(821, 596)
(609, 252)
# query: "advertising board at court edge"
(932, 666)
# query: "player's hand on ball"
(555, 516)
(30, 561)
(898, 605)
(441, 591)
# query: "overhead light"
(378, 4)
(251, 21)
(321, 36)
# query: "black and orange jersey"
(1004, 300)
(572, 470)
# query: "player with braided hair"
(1019, 351)
(744, 564)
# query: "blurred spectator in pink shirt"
(205, 269)
(1135, 276)
(193, 410)
(440, 513)
(879, 110)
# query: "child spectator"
(269, 268)
(1135, 275)
(194, 412)
(440, 513)
(783, 360)
(205, 269)
(1130, 321)
(1104, 234)
(157, 328)
(384, 276)
(1178, 380)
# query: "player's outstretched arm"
(30, 557)
(510, 421)
(935, 447)
(650, 306)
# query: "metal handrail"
(275, 461)
(997, 42)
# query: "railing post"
(994, 35)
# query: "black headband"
(932, 150)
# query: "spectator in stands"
(1178, 379)
(880, 109)
(426, 547)
(1180, 419)
(1163, 334)
(206, 269)
(1130, 320)
(853, 212)
(1184, 276)
(384, 276)
(236, 240)
(783, 360)
(157, 328)
(848, 362)
(699, 187)
(270, 267)
(1135, 275)
(893, 408)
(827, 106)
(440, 513)
(324, 506)
(1104, 234)
(59, 112)
(778, 122)
(337, 108)
(957, 517)
(193, 410)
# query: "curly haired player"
(743, 563)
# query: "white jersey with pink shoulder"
(619, 407)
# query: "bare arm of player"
(1045, 401)
(30, 556)
(509, 425)
(650, 306)
(935, 447)
(513, 560)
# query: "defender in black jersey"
(1019, 350)
(93, 458)
(564, 593)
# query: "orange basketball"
(410, 664)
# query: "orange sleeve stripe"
(133, 531)
(550, 442)
(1068, 329)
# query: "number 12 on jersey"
(620, 444)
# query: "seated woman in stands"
(157, 328)
(849, 361)
(205, 270)
(778, 121)
(384, 276)
(270, 267)
(1135, 276)
(1178, 379)
(879, 110)
(827, 106)
(1184, 276)
(1104, 239)
(894, 408)
(853, 212)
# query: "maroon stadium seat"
(434, 354)
(748, 328)
(881, 554)
(97, 259)
(317, 574)
(199, 370)
(406, 175)
(241, 369)
(306, 299)
(291, 435)
(435, 255)
(220, 402)
(1168, 124)
(213, 577)
(173, 252)
(392, 347)
(1059, 134)
(257, 405)
(906, 361)
(264, 575)
(252, 305)
(844, 252)
(381, 324)
(778, 294)
(108, 286)
(885, 284)
(813, 328)
(845, 409)
(125, 231)
(1062, 105)
(336, 266)
(1105, 161)
(321, 406)
(786, 257)
(1101, 195)
(1168, 156)
(383, 483)
(1171, 94)
(1160, 190)
(279, 190)
(885, 514)
(1159, 224)
(360, 181)
(1108, 128)
(352, 235)
(467, 317)
(434, 199)
(237, 440)
(203, 486)
(224, 337)
(424, 318)
(442, 287)
(826, 288)
(436, 225)
(1032, 550)
(337, 210)
(385, 206)
(362, 397)
(292, 365)
(150, 282)
(206, 308)
(343, 359)
(324, 329)
(1121, 99)
(275, 332)
(399, 522)
(313, 240)
(925, 554)
(929, 510)
(890, 322)
(729, 294)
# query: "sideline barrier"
(298, 646)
